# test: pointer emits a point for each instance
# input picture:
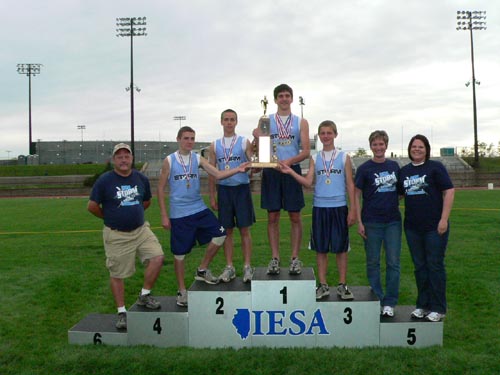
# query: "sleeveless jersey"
(331, 194)
(185, 197)
(287, 147)
(237, 157)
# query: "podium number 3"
(348, 315)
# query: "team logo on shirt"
(127, 195)
(415, 185)
(231, 158)
(322, 172)
(385, 181)
(189, 176)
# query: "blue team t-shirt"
(378, 182)
(122, 199)
(423, 187)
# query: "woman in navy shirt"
(429, 195)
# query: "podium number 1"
(283, 293)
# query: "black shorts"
(281, 191)
(200, 227)
(235, 206)
(330, 232)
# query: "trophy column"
(264, 152)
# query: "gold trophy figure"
(261, 157)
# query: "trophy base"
(256, 164)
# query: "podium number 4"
(157, 326)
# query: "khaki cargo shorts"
(122, 247)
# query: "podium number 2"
(220, 304)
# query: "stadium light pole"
(128, 27)
(81, 128)
(180, 119)
(29, 70)
(472, 20)
(302, 104)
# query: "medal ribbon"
(184, 166)
(285, 129)
(330, 163)
(228, 155)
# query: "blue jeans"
(427, 250)
(388, 234)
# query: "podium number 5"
(412, 337)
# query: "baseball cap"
(120, 146)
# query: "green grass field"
(52, 275)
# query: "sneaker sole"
(199, 278)
(247, 279)
(434, 320)
(418, 317)
(344, 298)
(151, 307)
(273, 272)
(294, 272)
(322, 296)
(181, 304)
(147, 306)
(228, 280)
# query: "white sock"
(122, 310)
(145, 291)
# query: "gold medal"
(188, 185)
(328, 169)
(227, 166)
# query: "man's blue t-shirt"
(122, 199)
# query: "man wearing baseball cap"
(119, 197)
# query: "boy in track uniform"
(290, 134)
(332, 171)
(190, 220)
(120, 197)
(232, 198)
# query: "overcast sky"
(373, 64)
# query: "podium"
(97, 329)
(214, 311)
(278, 311)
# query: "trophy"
(264, 156)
